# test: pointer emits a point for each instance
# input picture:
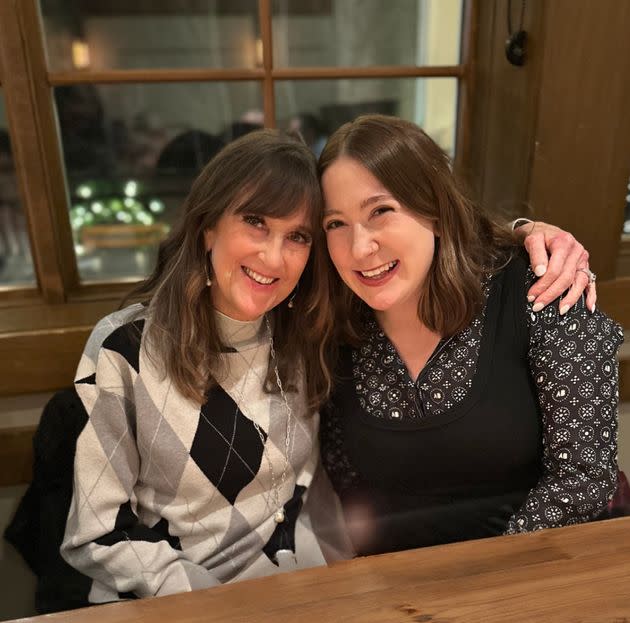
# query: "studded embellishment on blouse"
(386, 391)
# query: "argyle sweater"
(172, 496)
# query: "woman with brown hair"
(461, 409)
(200, 445)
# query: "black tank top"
(457, 475)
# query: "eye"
(300, 237)
(254, 221)
(381, 210)
(330, 225)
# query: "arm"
(559, 259)
(104, 538)
(572, 362)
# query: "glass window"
(131, 153)
(623, 261)
(16, 264)
(318, 107)
(118, 34)
(367, 32)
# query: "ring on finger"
(592, 277)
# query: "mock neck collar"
(238, 334)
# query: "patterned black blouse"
(510, 426)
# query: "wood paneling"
(30, 165)
(40, 360)
(504, 110)
(266, 34)
(120, 76)
(580, 168)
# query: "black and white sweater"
(173, 496)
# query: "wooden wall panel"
(504, 110)
(582, 155)
(40, 360)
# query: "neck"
(238, 333)
(413, 340)
(401, 319)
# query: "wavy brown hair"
(266, 173)
(418, 175)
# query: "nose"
(271, 253)
(363, 242)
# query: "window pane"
(623, 261)
(131, 153)
(16, 264)
(318, 107)
(117, 34)
(367, 32)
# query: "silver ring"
(592, 277)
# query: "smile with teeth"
(257, 277)
(379, 271)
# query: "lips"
(379, 270)
(379, 275)
(258, 278)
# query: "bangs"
(282, 194)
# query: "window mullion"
(269, 100)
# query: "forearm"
(572, 361)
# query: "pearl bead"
(279, 516)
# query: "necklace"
(276, 487)
(279, 514)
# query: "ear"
(208, 238)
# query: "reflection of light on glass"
(80, 54)
(145, 218)
(131, 188)
(259, 52)
(84, 191)
(156, 206)
(124, 217)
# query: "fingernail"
(593, 308)
(537, 307)
(530, 298)
(564, 309)
(540, 270)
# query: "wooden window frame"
(60, 307)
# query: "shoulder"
(516, 268)
(120, 331)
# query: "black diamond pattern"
(126, 341)
(226, 447)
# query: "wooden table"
(577, 574)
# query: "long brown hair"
(267, 173)
(418, 174)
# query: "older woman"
(199, 450)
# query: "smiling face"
(256, 260)
(382, 250)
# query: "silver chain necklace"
(279, 515)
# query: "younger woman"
(460, 411)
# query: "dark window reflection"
(131, 153)
(16, 265)
(318, 107)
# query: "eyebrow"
(364, 203)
